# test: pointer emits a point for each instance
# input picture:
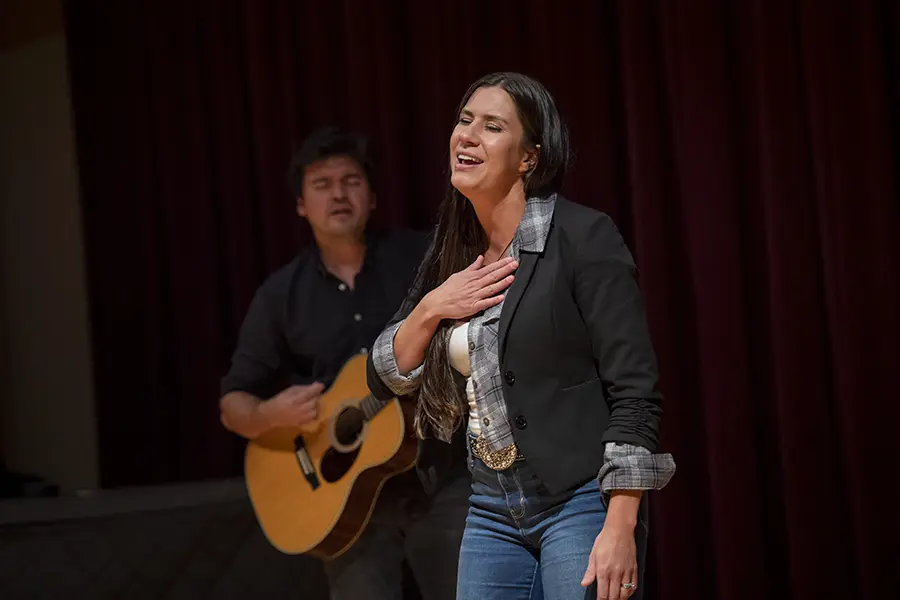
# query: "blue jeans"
(523, 543)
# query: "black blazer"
(578, 366)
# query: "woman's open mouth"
(466, 162)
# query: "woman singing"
(526, 323)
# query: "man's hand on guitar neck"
(250, 417)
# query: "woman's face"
(486, 148)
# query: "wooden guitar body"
(354, 447)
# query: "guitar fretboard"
(370, 405)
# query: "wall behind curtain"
(747, 150)
(47, 426)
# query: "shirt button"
(357, 317)
(521, 423)
(471, 346)
(486, 421)
(342, 287)
(510, 378)
(363, 350)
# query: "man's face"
(336, 198)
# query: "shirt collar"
(531, 236)
(535, 224)
(371, 239)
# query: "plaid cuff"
(630, 467)
(386, 364)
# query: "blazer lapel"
(527, 262)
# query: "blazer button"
(521, 423)
(510, 377)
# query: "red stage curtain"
(748, 150)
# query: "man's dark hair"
(324, 143)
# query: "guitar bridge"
(306, 465)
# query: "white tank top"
(458, 349)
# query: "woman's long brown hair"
(459, 238)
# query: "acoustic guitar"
(313, 489)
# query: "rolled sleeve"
(385, 363)
(630, 467)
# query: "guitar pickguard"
(336, 464)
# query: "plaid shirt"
(626, 466)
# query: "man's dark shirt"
(304, 324)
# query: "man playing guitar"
(305, 321)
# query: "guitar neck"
(371, 406)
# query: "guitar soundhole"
(335, 464)
(349, 425)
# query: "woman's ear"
(530, 160)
